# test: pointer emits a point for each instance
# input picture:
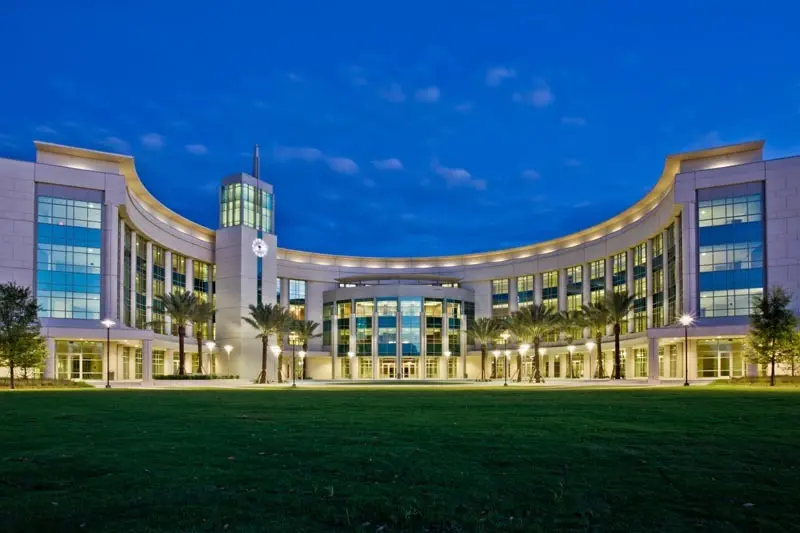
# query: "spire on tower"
(256, 164)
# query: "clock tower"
(246, 261)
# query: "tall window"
(178, 280)
(657, 263)
(79, 360)
(158, 362)
(672, 297)
(454, 327)
(387, 326)
(297, 298)
(433, 326)
(141, 283)
(202, 287)
(344, 309)
(240, 205)
(730, 237)
(159, 274)
(639, 363)
(574, 288)
(364, 309)
(640, 287)
(550, 289)
(68, 235)
(327, 318)
(410, 311)
(597, 280)
(126, 279)
(525, 290)
(499, 297)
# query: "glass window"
(525, 294)
(297, 298)
(550, 289)
(410, 309)
(499, 297)
(80, 360)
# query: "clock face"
(260, 248)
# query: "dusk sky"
(403, 128)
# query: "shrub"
(45, 384)
(760, 381)
(187, 377)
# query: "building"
(78, 226)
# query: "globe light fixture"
(686, 320)
(228, 349)
(108, 324)
(590, 345)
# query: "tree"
(201, 316)
(772, 326)
(619, 306)
(19, 326)
(541, 321)
(179, 306)
(596, 316)
(266, 319)
(517, 325)
(305, 330)
(31, 355)
(567, 322)
(285, 326)
(484, 330)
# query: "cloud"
(153, 141)
(394, 94)
(465, 107)
(369, 183)
(388, 164)
(115, 143)
(196, 149)
(428, 95)
(530, 174)
(581, 205)
(496, 75)
(342, 165)
(574, 163)
(45, 129)
(573, 121)
(304, 153)
(291, 76)
(541, 97)
(459, 177)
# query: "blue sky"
(397, 129)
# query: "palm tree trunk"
(11, 372)
(181, 351)
(305, 349)
(262, 377)
(537, 373)
(280, 367)
(199, 353)
(617, 362)
(483, 362)
(599, 341)
(519, 367)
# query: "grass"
(710, 459)
(761, 381)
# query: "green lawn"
(702, 459)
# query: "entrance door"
(725, 364)
(410, 369)
(388, 368)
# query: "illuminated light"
(447, 353)
(448, 264)
(398, 265)
(498, 260)
(523, 256)
(276, 350)
(590, 345)
(228, 348)
(523, 349)
(351, 354)
(686, 320)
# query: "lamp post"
(228, 349)
(590, 345)
(447, 355)
(108, 324)
(523, 349)
(507, 356)
(292, 341)
(211, 345)
(686, 321)
(302, 355)
(496, 354)
(351, 356)
(571, 350)
(276, 351)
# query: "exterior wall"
(17, 208)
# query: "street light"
(211, 345)
(302, 355)
(571, 350)
(590, 345)
(108, 323)
(542, 351)
(228, 349)
(505, 368)
(686, 321)
(351, 355)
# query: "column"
(110, 258)
(334, 340)
(147, 361)
(399, 351)
(285, 293)
(423, 346)
(652, 361)
(169, 356)
(629, 280)
(464, 347)
(629, 362)
(562, 289)
(678, 266)
(537, 289)
(587, 364)
(609, 283)
(665, 275)
(649, 281)
(443, 360)
(586, 285)
(167, 289)
(121, 283)
(149, 284)
(513, 299)
(133, 279)
(50, 360)
(190, 288)
(375, 360)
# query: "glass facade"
(297, 299)
(525, 295)
(454, 327)
(434, 309)
(550, 289)
(657, 266)
(499, 297)
(410, 311)
(720, 358)
(126, 279)
(597, 281)
(159, 276)
(344, 309)
(240, 206)
(574, 288)
(364, 310)
(68, 252)
(387, 326)
(731, 249)
(158, 362)
(640, 288)
(327, 320)
(672, 272)
(639, 362)
(79, 360)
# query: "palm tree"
(285, 326)
(304, 331)
(266, 319)
(179, 306)
(619, 306)
(567, 322)
(540, 320)
(484, 330)
(201, 317)
(596, 316)
(517, 325)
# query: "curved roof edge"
(672, 167)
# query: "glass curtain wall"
(640, 288)
(597, 281)
(499, 297)
(525, 295)
(410, 311)
(80, 360)
(657, 263)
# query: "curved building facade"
(79, 227)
